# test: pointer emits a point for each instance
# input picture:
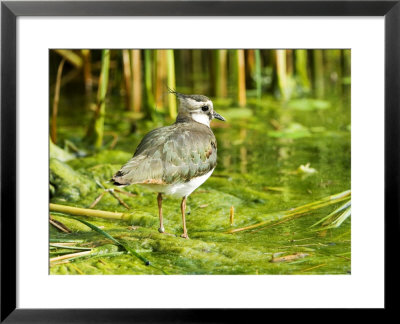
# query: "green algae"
(101, 158)
(250, 163)
(58, 153)
(68, 183)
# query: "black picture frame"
(10, 10)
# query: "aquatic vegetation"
(269, 184)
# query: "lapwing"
(176, 159)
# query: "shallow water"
(260, 150)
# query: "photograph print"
(200, 161)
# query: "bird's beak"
(218, 116)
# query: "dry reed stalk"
(69, 256)
(315, 267)
(127, 78)
(161, 76)
(71, 57)
(298, 211)
(137, 80)
(231, 214)
(88, 212)
(281, 72)
(221, 82)
(87, 71)
(171, 83)
(96, 201)
(56, 99)
(59, 225)
(241, 78)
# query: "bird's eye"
(204, 108)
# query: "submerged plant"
(115, 241)
(332, 220)
(336, 218)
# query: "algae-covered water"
(272, 156)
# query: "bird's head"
(197, 107)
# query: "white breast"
(180, 190)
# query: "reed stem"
(71, 255)
(301, 69)
(281, 73)
(127, 78)
(137, 80)
(148, 80)
(77, 211)
(96, 128)
(171, 83)
(319, 84)
(71, 57)
(87, 72)
(241, 78)
(55, 102)
(221, 73)
(280, 215)
(257, 73)
(160, 78)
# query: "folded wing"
(170, 155)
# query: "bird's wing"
(171, 154)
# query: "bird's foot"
(185, 235)
(162, 231)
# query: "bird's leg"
(159, 200)
(183, 210)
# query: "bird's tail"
(117, 179)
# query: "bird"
(175, 160)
